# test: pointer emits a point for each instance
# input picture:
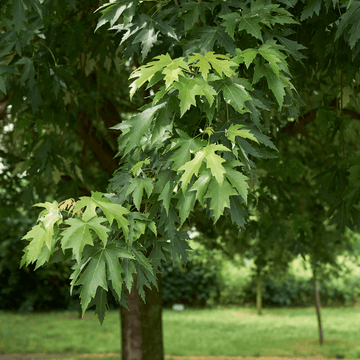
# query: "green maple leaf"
(201, 185)
(214, 162)
(136, 127)
(237, 179)
(185, 204)
(189, 88)
(276, 83)
(157, 254)
(219, 197)
(207, 90)
(111, 211)
(350, 20)
(128, 269)
(112, 254)
(78, 235)
(192, 13)
(270, 52)
(165, 28)
(237, 211)
(146, 72)
(239, 130)
(220, 63)
(147, 37)
(248, 56)
(136, 188)
(191, 168)
(101, 304)
(164, 186)
(251, 24)
(235, 93)
(93, 277)
(49, 217)
(312, 7)
(293, 48)
(230, 22)
(179, 245)
(111, 12)
(261, 138)
(173, 70)
(18, 12)
(204, 39)
(185, 146)
(39, 237)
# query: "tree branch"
(99, 147)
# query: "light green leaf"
(191, 168)
(188, 88)
(139, 125)
(270, 52)
(239, 130)
(219, 197)
(201, 185)
(78, 235)
(220, 63)
(185, 146)
(146, 72)
(214, 161)
(248, 56)
(173, 70)
(111, 211)
(33, 251)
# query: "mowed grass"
(210, 332)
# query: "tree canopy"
(227, 99)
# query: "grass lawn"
(213, 332)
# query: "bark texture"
(141, 327)
(259, 295)
(318, 307)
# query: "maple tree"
(213, 85)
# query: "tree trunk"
(259, 295)
(141, 325)
(318, 307)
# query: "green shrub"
(196, 284)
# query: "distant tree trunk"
(141, 327)
(318, 306)
(259, 295)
